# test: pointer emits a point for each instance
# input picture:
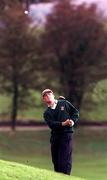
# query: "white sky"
(41, 9)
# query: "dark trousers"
(61, 151)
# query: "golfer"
(60, 116)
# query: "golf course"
(59, 64)
(25, 154)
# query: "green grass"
(90, 158)
(28, 147)
(94, 106)
(11, 170)
(31, 114)
(4, 104)
(32, 148)
(97, 113)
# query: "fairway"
(32, 148)
(90, 153)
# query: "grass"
(31, 114)
(4, 103)
(32, 148)
(94, 106)
(90, 158)
(11, 170)
(97, 113)
(28, 147)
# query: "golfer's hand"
(68, 122)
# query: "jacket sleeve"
(51, 123)
(73, 112)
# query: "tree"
(77, 37)
(18, 46)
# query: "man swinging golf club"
(60, 116)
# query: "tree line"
(67, 53)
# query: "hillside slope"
(15, 171)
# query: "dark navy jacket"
(54, 117)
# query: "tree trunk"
(75, 97)
(15, 101)
(71, 82)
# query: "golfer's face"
(48, 98)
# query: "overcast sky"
(41, 9)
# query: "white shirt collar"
(53, 106)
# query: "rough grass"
(15, 171)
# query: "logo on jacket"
(62, 108)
